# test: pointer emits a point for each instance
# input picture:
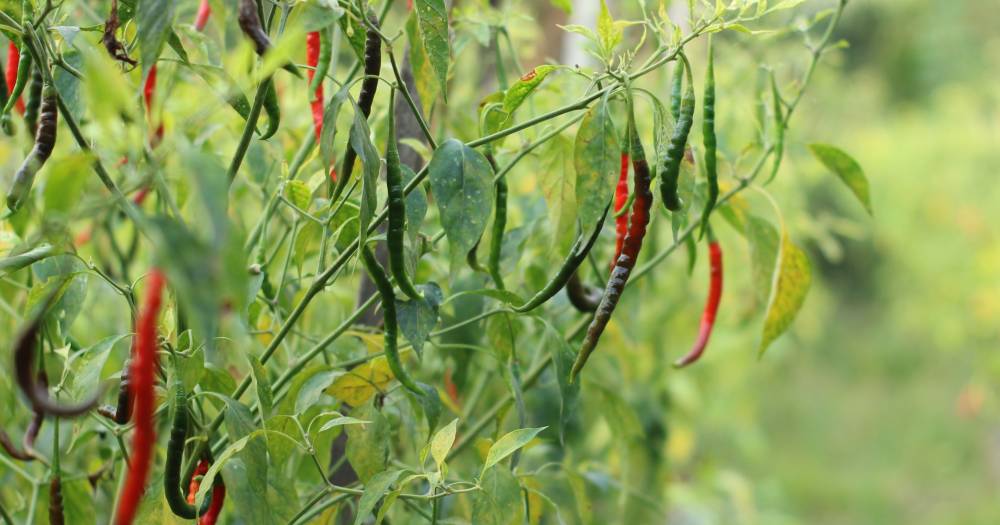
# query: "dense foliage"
(351, 302)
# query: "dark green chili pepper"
(45, 140)
(23, 75)
(272, 109)
(123, 412)
(708, 135)
(584, 298)
(34, 101)
(30, 435)
(115, 48)
(175, 454)
(565, 273)
(638, 220)
(671, 165)
(56, 515)
(675, 91)
(499, 225)
(395, 233)
(391, 328)
(369, 85)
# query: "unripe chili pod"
(45, 140)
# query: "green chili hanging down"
(23, 76)
(499, 225)
(708, 135)
(676, 83)
(175, 454)
(638, 220)
(395, 233)
(391, 328)
(584, 298)
(671, 165)
(30, 435)
(369, 85)
(34, 101)
(569, 267)
(123, 412)
(272, 109)
(45, 140)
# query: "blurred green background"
(880, 406)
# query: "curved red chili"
(148, 90)
(143, 377)
(711, 306)
(621, 218)
(218, 494)
(204, 11)
(312, 60)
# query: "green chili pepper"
(391, 327)
(273, 111)
(499, 225)
(395, 232)
(23, 74)
(175, 453)
(671, 165)
(675, 91)
(45, 141)
(34, 101)
(323, 63)
(569, 267)
(708, 135)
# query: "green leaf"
(361, 142)
(341, 421)
(608, 32)
(420, 64)
(569, 393)
(847, 169)
(375, 488)
(153, 19)
(509, 443)
(558, 184)
(462, 182)
(763, 239)
(433, 18)
(597, 159)
(252, 483)
(418, 317)
(356, 35)
(64, 184)
(498, 502)
(442, 442)
(89, 363)
(262, 385)
(15, 262)
(368, 444)
(299, 194)
(329, 132)
(790, 284)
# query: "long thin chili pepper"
(499, 225)
(584, 298)
(201, 18)
(396, 231)
(115, 48)
(638, 221)
(391, 328)
(143, 376)
(11, 449)
(676, 83)
(272, 109)
(45, 141)
(621, 198)
(708, 136)
(35, 391)
(319, 53)
(23, 75)
(34, 102)
(671, 165)
(711, 306)
(369, 85)
(249, 20)
(30, 435)
(565, 273)
(56, 514)
(148, 91)
(13, 61)
(175, 454)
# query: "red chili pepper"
(711, 307)
(13, 57)
(148, 90)
(204, 11)
(142, 376)
(218, 495)
(621, 197)
(312, 58)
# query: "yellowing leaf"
(790, 284)
(361, 383)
